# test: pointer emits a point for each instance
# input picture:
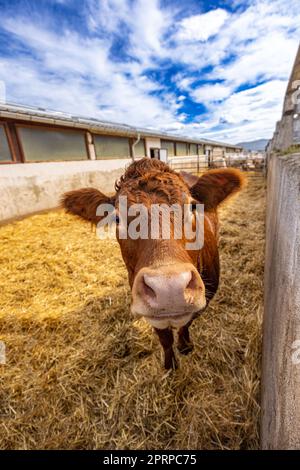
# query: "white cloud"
(201, 27)
(106, 15)
(259, 45)
(259, 62)
(210, 93)
(76, 73)
(248, 114)
(183, 82)
(248, 104)
(263, 19)
(81, 79)
(145, 21)
(148, 22)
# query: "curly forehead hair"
(148, 169)
(151, 176)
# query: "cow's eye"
(117, 220)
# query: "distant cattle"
(170, 284)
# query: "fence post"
(280, 427)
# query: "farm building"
(44, 153)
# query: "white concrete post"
(91, 146)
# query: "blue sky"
(199, 68)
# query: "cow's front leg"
(166, 340)
(184, 345)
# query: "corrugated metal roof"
(28, 113)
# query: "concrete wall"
(281, 331)
(31, 187)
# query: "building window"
(5, 154)
(201, 150)
(169, 146)
(181, 149)
(193, 149)
(139, 149)
(108, 146)
(41, 144)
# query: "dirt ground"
(81, 373)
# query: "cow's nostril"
(193, 284)
(147, 289)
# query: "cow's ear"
(188, 178)
(217, 185)
(85, 202)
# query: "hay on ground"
(82, 374)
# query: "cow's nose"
(163, 291)
(159, 289)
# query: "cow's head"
(170, 283)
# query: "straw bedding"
(81, 373)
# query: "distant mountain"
(255, 145)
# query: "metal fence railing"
(254, 164)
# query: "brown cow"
(170, 285)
